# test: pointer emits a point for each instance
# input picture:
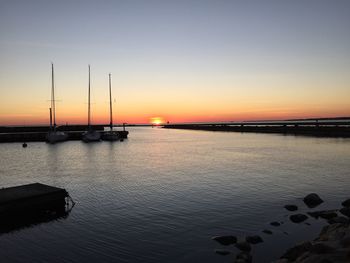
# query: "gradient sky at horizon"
(181, 60)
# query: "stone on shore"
(291, 207)
(332, 245)
(225, 240)
(293, 253)
(254, 239)
(346, 203)
(345, 211)
(243, 246)
(338, 219)
(325, 214)
(243, 257)
(298, 218)
(312, 200)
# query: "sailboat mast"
(53, 106)
(110, 103)
(89, 113)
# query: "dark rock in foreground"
(338, 219)
(243, 246)
(293, 253)
(298, 218)
(312, 200)
(225, 240)
(243, 257)
(254, 239)
(325, 214)
(332, 245)
(222, 252)
(345, 211)
(291, 207)
(346, 203)
(275, 223)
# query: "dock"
(29, 205)
(38, 133)
(25, 199)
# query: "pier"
(32, 204)
(38, 133)
(318, 128)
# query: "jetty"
(318, 128)
(39, 133)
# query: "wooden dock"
(28, 198)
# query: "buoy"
(24, 145)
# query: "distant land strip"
(315, 128)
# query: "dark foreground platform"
(26, 198)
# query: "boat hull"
(54, 137)
(91, 136)
(110, 136)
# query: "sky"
(182, 61)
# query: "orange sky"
(183, 61)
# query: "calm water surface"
(162, 194)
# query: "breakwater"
(315, 128)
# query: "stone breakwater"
(332, 244)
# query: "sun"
(156, 120)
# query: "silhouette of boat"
(53, 135)
(110, 135)
(90, 135)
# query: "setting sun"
(157, 120)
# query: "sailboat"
(53, 135)
(90, 135)
(110, 135)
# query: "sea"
(162, 194)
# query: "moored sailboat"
(53, 135)
(90, 135)
(110, 135)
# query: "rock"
(338, 219)
(325, 214)
(298, 218)
(243, 257)
(333, 232)
(266, 231)
(321, 248)
(275, 223)
(291, 207)
(345, 211)
(293, 253)
(222, 252)
(225, 240)
(312, 200)
(345, 242)
(243, 246)
(346, 203)
(254, 239)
